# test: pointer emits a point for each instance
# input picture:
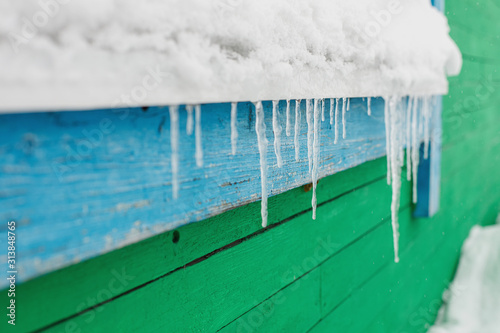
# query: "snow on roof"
(79, 54)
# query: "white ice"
(189, 122)
(174, 146)
(277, 133)
(288, 119)
(310, 129)
(316, 149)
(198, 139)
(296, 140)
(260, 129)
(234, 127)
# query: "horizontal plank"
(106, 174)
(221, 281)
(159, 255)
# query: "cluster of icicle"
(407, 123)
(315, 112)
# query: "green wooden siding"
(333, 274)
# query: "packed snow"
(101, 53)
(472, 303)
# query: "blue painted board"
(80, 184)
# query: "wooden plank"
(223, 280)
(159, 255)
(108, 172)
(294, 308)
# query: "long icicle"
(288, 119)
(331, 111)
(297, 129)
(277, 134)
(189, 122)
(396, 130)
(322, 109)
(369, 105)
(408, 138)
(309, 118)
(336, 121)
(234, 127)
(427, 119)
(174, 146)
(198, 139)
(415, 147)
(260, 129)
(314, 177)
(343, 117)
(387, 138)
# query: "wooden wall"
(333, 274)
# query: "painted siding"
(332, 274)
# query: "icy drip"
(174, 146)
(197, 134)
(414, 147)
(348, 103)
(309, 118)
(260, 129)
(297, 129)
(288, 119)
(343, 117)
(396, 130)
(315, 158)
(189, 123)
(427, 117)
(369, 105)
(322, 109)
(331, 111)
(336, 121)
(277, 134)
(408, 138)
(387, 138)
(234, 128)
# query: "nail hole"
(176, 236)
(145, 108)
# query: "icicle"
(336, 121)
(297, 129)
(288, 119)
(189, 123)
(369, 105)
(348, 103)
(309, 118)
(396, 144)
(277, 134)
(197, 134)
(415, 147)
(408, 139)
(174, 144)
(387, 138)
(315, 157)
(343, 117)
(234, 128)
(260, 129)
(426, 111)
(331, 111)
(322, 109)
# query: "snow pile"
(100, 53)
(472, 304)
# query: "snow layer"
(472, 303)
(59, 54)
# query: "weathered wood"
(82, 183)
(159, 255)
